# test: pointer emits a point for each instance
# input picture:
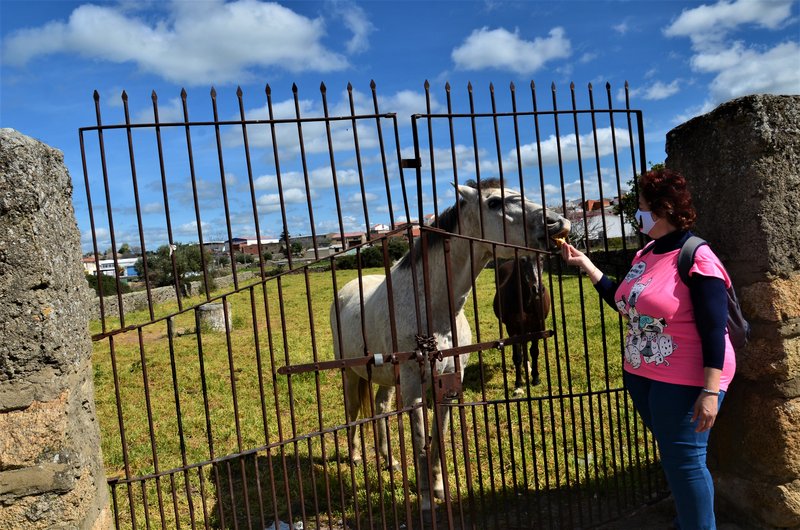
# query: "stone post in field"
(742, 161)
(51, 467)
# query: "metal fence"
(248, 424)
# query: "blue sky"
(681, 59)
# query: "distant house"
(249, 245)
(351, 239)
(127, 269)
(592, 205)
(217, 247)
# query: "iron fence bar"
(545, 458)
(150, 425)
(261, 390)
(179, 417)
(400, 165)
(603, 319)
(163, 173)
(358, 161)
(304, 163)
(583, 310)
(278, 177)
(434, 191)
(337, 312)
(94, 232)
(209, 432)
(324, 92)
(146, 506)
(381, 148)
(251, 182)
(319, 405)
(109, 211)
(121, 423)
(203, 496)
(193, 177)
(475, 151)
(557, 359)
(137, 202)
(276, 121)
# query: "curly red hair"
(667, 195)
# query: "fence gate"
(283, 264)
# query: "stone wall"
(743, 164)
(51, 472)
(137, 301)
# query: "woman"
(678, 357)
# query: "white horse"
(494, 203)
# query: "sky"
(680, 60)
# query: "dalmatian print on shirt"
(645, 340)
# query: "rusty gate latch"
(447, 387)
(427, 349)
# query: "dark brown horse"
(522, 303)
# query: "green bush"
(109, 285)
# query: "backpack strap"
(686, 256)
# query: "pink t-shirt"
(662, 342)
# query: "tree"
(629, 202)
(109, 284)
(397, 248)
(285, 243)
(159, 265)
(124, 249)
(297, 249)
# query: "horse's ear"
(467, 193)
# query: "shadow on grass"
(275, 490)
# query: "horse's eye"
(494, 203)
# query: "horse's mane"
(446, 221)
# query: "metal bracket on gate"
(411, 163)
(447, 387)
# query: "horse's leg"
(411, 389)
(383, 403)
(533, 364)
(517, 356)
(353, 404)
(437, 437)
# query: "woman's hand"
(705, 411)
(576, 258)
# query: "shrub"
(109, 285)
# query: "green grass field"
(176, 407)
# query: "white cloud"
(199, 43)
(776, 71)
(356, 21)
(569, 147)
(621, 28)
(708, 23)
(655, 91)
(739, 69)
(271, 202)
(501, 49)
(587, 57)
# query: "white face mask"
(646, 222)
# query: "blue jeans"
(667, 410)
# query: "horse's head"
(501, 207)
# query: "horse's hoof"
(537, 381)
(519, 392)
(356, 460)
(438, 493)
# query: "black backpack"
(738, 326)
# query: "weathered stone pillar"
(51, 468)
(743, 164)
